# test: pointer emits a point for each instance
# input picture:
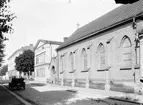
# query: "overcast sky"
(51, 19)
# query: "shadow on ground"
(43, 98)
(37, 84)
(61, 97)
(7, 98)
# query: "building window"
(64, 61)
(40, 72)
(101, 51)
(84, 59)
(61, 62)
(40, 58)
(126, 52)
(37, 60)
(71, 61)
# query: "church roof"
(111, 19)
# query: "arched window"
(126, 52)
(71, 61)
(101, 51)
(84, 59)
(61, 62)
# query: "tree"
(25, 62)
(125, 1)
(4, 70)
(6, 18)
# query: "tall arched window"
(84, 59)
(101, 51)
(126, 52)
(71, 61)
(61, 62)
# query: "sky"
(51, 19)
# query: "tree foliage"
(25, 61)
(6, 18)
(4, 70)
(125, 1)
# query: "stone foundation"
(80, 82)
(96, 84)
(67, 82)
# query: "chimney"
(65, 38)
(31, 44)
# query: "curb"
(18, 97)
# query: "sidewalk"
(9, 98)
(94, 93)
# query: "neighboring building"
(11, 64)
(53, 69)
(105, 54)
(44, 51)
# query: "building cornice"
(41, 64)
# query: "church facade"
(107, 53)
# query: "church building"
(106, 53)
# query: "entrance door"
(53, 74)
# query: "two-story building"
(44, 52)
(11, 60)
(106, 53)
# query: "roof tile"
(117, 15)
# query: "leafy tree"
(4, 70)
(126, 1)
(25, 62)
(5, 25)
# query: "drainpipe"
(141, 60)
(50, 59)
(51, 50)
(134, 25)
(138, 39)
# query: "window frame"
(84, 58)
(101, 57)
(126, 47)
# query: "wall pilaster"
(107, 71)
(73, 80)
(62, 81)
(141, 62)
(88, 66)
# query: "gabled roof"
(30, 47)
(47, 42)
(109, 20)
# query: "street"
(48, 94)
(41, 94)
(6, 98)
